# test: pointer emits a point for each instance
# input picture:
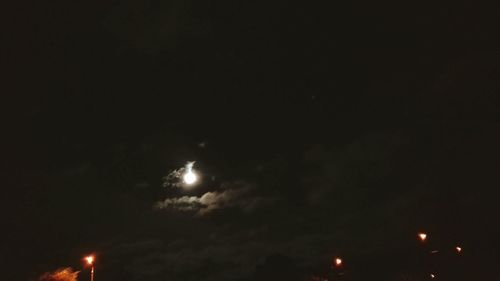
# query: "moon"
(190, 178)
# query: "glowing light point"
(433, 276)
(458, 249)
(89, 259)
(190, 178)
(422, 236)
(338, 262)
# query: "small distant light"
(433, 276)
(422, 236)
(90, 259)
(338, 262)
(434, 252)
(459, 249)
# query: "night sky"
(318, 131)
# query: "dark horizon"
(318, 132)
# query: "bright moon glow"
(89, 259)
(190, 177)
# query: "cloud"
(174, 179)
(219, 257)
(184, 203)
(240, 195)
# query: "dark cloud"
(221, 257)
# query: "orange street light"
(90, 261)
(422, 236)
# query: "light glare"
(90, 259)
(422, 236)
(190, 178)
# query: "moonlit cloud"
(184, 203)
(181, 177)
(238, 195)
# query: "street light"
(422, 236)
(338, 262)
(90, 261)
